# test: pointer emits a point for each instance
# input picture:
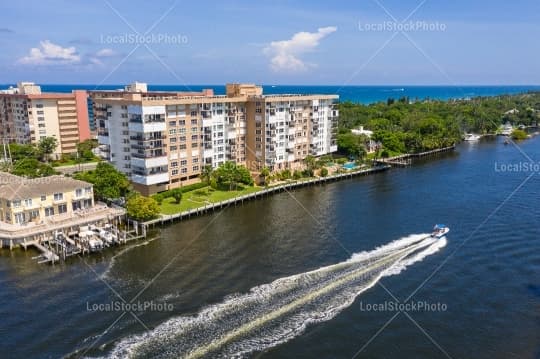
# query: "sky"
(372, 42)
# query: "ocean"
(360, 94)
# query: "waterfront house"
(25, 200)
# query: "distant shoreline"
(364, 94)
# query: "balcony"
(150, 179)
(146, 127)
(147, 138)
(149, 160)
(141, 146)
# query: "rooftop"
(19, 188)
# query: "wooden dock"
(407, 159)
(209, 208)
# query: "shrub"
(307, 173)
(324, 172)
(519, 135)
(158, 197)
(285, 174)
(176, 194)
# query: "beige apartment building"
(28, 115)
(162, 140)
(34, 200)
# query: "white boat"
(471, 137)
(507, 129)
(107, 236)
(439, 231)
(95, 244)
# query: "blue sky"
(282, 42)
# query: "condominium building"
(34, 200)
(162, 140)
(27, 115)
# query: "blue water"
(362, 94)
(233, 268)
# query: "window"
(58, 196)
(49, 211)
(19, 218)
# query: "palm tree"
(265, 172)
(206, 174)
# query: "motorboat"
(471, 137)
(507, 129)
(95, 244)
(107, 236)
(439, 231)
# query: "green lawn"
(202, 197)
(73, 162)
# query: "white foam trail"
(112, 262)
(273, 313)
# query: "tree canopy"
(109, 183)
(414, 126)
(228, 174)
(142, 208)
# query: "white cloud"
(50, 53)
(105, 53)
(286, 54)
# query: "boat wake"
(274, 313)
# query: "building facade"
(35, 200)
(27, 115)
(163, 140)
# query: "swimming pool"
(349, 166)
